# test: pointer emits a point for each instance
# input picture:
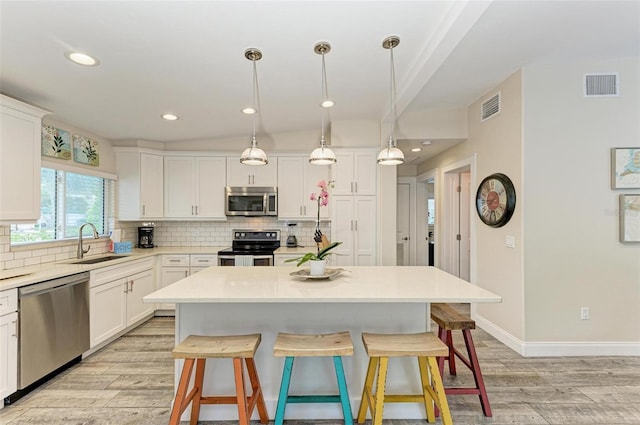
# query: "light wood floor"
(131, 382)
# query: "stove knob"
(242, 235)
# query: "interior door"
(403, 216)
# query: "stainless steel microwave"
(251, 201)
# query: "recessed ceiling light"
(327, 103)
(426, 142)
(169, 117)
(82, 59)
(416, 149)
(249, 110)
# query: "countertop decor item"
(310, 256)
(329, 273)
(496, 200)
(322, 199)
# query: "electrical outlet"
(584, 313)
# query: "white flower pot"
(316, 267)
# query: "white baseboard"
(558, 348)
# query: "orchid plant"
(322, 198)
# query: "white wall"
(497, 144)
(573, 255)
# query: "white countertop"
(388, 284)
(33, 274)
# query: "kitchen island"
(384, 299)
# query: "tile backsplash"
(167, 234)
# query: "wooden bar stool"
(196, 349)
(291, 346)
(448, 319)
(426, 347)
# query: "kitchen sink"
(98, 260)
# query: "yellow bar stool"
(195, 349)
(334, 345)
(426, 347)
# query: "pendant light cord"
(255, 107)
(325, 96)
(392, 91)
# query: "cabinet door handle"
(174, 261)
(126, 287)
(15, 328)
(356, 225)
(191, 209)
(352, 225)
(186, 273)
(356, 185)
(143, 210)
(196, 210)
(351, 187)
(131, 286)
(249, 182)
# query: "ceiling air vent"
(601, 85)
(491, 107)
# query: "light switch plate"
(510, 241)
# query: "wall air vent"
(601, 84)
(490, 107)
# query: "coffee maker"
(145, 237)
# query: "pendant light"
(253, 155)
(391, 155)
(323, 155)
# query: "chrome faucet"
(82, 251)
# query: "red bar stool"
(448, 319)
(195, 349)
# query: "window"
(67, 200)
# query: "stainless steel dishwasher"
(54, 325)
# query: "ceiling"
(187, 57)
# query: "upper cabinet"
(242, 175)
(140, 185)
(20, 128)
(194, 187)
(297, 179)
(354, 172)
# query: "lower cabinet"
(175, 267)
(115, 298)
(8, 343)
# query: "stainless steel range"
(250, 248)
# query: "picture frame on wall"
(625, 168)
(629, 218)
(85, 150)
(55, 142)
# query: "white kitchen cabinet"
(175, 267)
(354, 172)
(115, 298)
(8, 342)
(140, 185)
(353, 223)
(239, 174)
(20, 129)
(194, 187)
(297, 179)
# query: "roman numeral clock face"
(496, 200)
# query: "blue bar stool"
(291, 346)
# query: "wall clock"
(496, 200)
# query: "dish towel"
(243, 260)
